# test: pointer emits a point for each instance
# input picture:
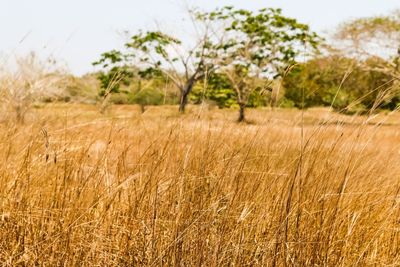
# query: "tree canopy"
(255, 45)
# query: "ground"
(80, 188)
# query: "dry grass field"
(158, 189)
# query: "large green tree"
(257, 45)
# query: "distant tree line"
(241, 58)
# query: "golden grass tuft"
(81, 189)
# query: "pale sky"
(76, 32)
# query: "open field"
(82, 189)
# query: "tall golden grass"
(156, 189)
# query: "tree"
(377, 36)
(257, 45)
(157, 51)
(375, 39)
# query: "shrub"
(32, 81)
(220, 91)
(145, 97)
(339, 82)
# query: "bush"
(119, 99)
(339, 82)
(219, 90)
(145, 97)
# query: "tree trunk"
(241, 112)
(142, 108)
(183, 101)
(185, 93)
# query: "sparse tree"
(375, 38)
(157, 51)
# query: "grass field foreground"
(291, 188)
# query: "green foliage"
(339, 82)
(116, 63)
(258, 98)
(158, 54)
(148, 96)
(120, 98)
(218, 90)
(82, 89)
(112, 80)
(147, 91)
(156, 42)
(110, 58)
(143, 92)
(263, 42)
(116, 73)
(286, 103)
(242, 54)
(257, 45)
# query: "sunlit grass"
(79, 188)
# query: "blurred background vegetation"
(355, 70)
